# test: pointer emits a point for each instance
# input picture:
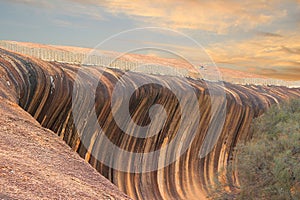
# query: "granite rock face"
(48, 91)
(34, 162)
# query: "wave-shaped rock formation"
(34, 162)
(46, 90)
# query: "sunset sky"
(261, 36)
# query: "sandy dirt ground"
(37, 164)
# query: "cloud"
(268, 34)
(293, 50)
(270, 54)
(82, 11)
(259, 35)
(217, 16)
(63, 8)
(261, 53)
(290, 73)
(35, 3)
(66, 23)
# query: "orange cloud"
(264, 53)
(217, 16)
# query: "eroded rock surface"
(45, 89)
(34, 162)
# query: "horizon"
(255, 37)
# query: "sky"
(261, 36)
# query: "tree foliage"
(268, 166)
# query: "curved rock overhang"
(45, 90)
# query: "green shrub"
(268, 166)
